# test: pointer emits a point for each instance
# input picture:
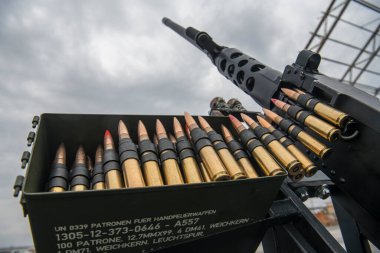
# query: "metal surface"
(365, 54)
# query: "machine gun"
(353, 167)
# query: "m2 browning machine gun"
(353, 165)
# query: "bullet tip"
(231, 117)
(263, 122)
(107, 133)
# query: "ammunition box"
(140, 219)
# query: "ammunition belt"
(237, 150)
(285, 124)
(57, 182)
(268, 139)
(246, 135)
(184, 148)
(147, 151)
(80, 180)
(185, 153)
(220, 145)
(293, 111)
(183, 144)
(97, 178)
(234, 146)
(110, 161)
(295, 131)
(214, 136)
(278, 134)
(253, 144)
(307, 101)
(303, 115)
(127, 150)
(165, 145)
(240, 154)
(200, 139)
(166, 149)
(98, 169)
(79, 171)
(59, 170)
(286, 142)
(260, 131)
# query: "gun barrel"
(189, 33)
(255, 78)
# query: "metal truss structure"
(365, 55)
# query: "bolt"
(323, 191)
(302, 193)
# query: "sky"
(117, 57)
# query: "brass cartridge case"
(172, 172)
(114, 179)
(284, 157)
(248, 168)
(99, 186)
(57, 189)
(213, 164)
(191, 171)
(231, 165)
(152, 174)
(331, 114)
(327, 112)
(266, 162)
(79, 188)
(311, 143)
(324, 129)
(297, 177)
(205, 175)
(309, 167)
(132, 173)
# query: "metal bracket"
(30, 138)
(25, 159)
(18, 185)
(35, 121)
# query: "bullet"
(111, 165)
(79, 174)
(168, 157)
(97, 175)
(266, 162)
(239, 153)
(186, 155)
(327, 112)
(59, 175)
(309, 167)
(129, 159)
(203, 147)
(205, 175)
(232, 166)
(320, 127)
(297, 133)
(283, 156)
(90, 166)
(236, 105)
(149, 159)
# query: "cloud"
(117, 57)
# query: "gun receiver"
(354, 165)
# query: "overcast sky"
(117, 57)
